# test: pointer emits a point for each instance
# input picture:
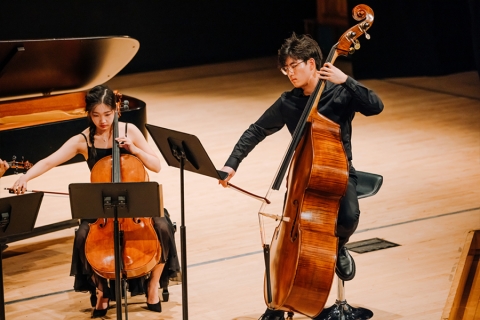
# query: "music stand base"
(341, 310)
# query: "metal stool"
(368, 185)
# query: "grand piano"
(42, 96)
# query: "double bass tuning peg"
(356, 44)
(352, 38)
(364, 27)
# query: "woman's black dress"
(87, 280)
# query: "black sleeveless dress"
(87, 280)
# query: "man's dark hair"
(301, 47)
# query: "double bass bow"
(140, 246)
(301, 258)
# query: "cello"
(140, 246)
(301, 258)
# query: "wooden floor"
(426, 144)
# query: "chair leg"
(341, 310)
(165, 294)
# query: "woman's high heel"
(99, 313)
(156, 307)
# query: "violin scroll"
(23, 165)
(348, 42)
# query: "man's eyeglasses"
(286, 69)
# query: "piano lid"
(33, 68)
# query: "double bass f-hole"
(294, 230)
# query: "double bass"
(301, 258)
(140, 246)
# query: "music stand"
(184, 151)
(116, 200)
(18, 215)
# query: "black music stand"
(116, 200)
(184, 151)
(18, 215)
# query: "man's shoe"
(345, 265)
(272, 315)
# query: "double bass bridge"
(275, 217)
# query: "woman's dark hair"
(97, 95)
(301, 47)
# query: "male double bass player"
(300, 58)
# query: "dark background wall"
(409, 37)
(419, 38)
(171, 33)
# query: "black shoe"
(273, 315)
(99, 313)
(156, 307)
(345, 265)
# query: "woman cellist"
(94, 143)
(300, 59)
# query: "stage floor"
(426, 145)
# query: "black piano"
(42, 95)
